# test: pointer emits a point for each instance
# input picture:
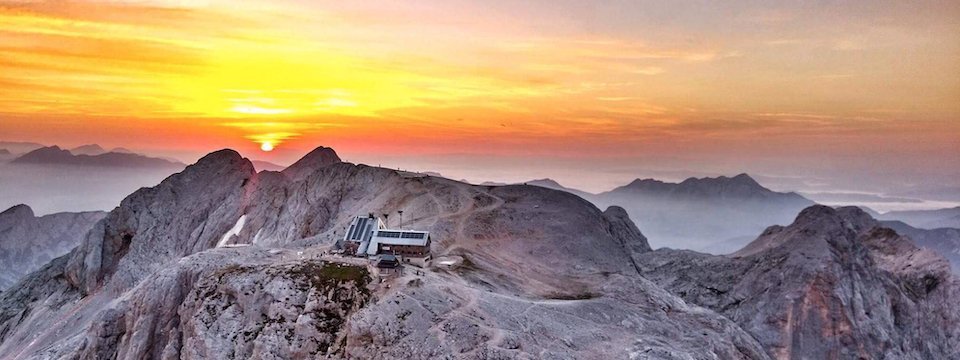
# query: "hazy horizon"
(592, 176)
(852, 97)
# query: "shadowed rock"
(27, 242)
(150, 281)
(834, 284)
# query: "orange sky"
(544, 79)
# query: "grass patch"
(324, 275)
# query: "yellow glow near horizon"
(266, 146)
(382, 73)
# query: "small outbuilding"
(389, 265)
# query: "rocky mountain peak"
(220, 156)
(90, 149)
(625, 231)
(826, 218)
(740, 185)
(320, 157)
(188, 212)
(639, 183)
(44, 154)
(744, 179)
(20, 211)
(834, 284)
(818, 223)
(545, 182)
(741, 182)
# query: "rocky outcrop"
(627, 318)
(211, 307)
(153, 279)
(943, 241)
(626, 233)
(832, 285)
(185, 214)
(318, 158)
(28, 242)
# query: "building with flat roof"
(368, 236)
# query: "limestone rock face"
(220, 261)
(626, 231)
(632, 318)
(157, 279)
(943, 241)
(318, 158)
(187, 213)
(212, 307)
(834, 284)
(28, 242)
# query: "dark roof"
(388, 261)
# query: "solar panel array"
(401, 234)
(412, 235)
(356, 232)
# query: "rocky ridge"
(835, 284)
(153, 278)
(27, 242)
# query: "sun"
(266, 146)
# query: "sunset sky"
(825, 91)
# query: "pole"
(401, 218)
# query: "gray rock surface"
(943, 241)
(832, 285)
(28, 242)
(545, 275)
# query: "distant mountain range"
(926, 219)
(91, 149)
(54, 155)
(94, 149)
(19, 147)
(716, 215)
(52, 179)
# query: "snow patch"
(235, 231)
